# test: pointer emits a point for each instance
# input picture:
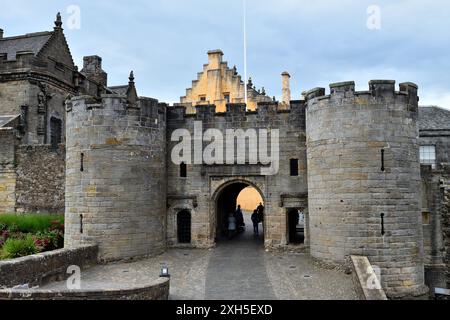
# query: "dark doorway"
(55, 132)
(226, 204)
(296, 226)
(184, 225)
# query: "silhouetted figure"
(260, 211)
(239, 218)
(255, 220)
(231, 225)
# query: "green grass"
(30, 223)
(16, 248)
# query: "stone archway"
(224, 201)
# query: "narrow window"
(183, 170)
(226, 97)
(55, 132)
(82, 162)
(382, 160)
(184, 223)
(81, 223)
(294, 167)
(383, 232)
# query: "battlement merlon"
(147, 110)
(378, 90)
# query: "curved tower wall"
(116, 176)
(350, 186)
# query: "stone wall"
(432, 202)
(363, 161)
(446, 231)
(40, 179)
(7, 170)
(116, 176)
(43, 268)
(158, 290)
(205, 184)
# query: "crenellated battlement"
(235, 111)
(146, 112)
(380, 91)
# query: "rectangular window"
(202, 98)
(428, 155)
(294, 167)
(426, 218)
(183, 170)
(226, 97)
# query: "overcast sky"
(318, 42)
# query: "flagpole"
(245, 53)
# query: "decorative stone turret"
(58, 23)
(286, 89)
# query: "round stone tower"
(364, 180)
(116, 175)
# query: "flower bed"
(23, 235)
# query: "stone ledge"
(45, 267)
(362, 273)
(157, 290)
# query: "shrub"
(31, 223)
(16, 248)
(49, 240)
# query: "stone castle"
(369, 169)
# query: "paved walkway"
(238, 269)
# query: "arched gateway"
(225, 200)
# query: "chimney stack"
(92, 69)
(286, 100)
(1, 33)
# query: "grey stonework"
(122, 191)
(40, 179)
(350, 186)
(116, 176)
(37, 75)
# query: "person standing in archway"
(231, 226)
(255, 220)
(260, 211)
(239, 218)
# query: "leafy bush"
(16, 248)
(49, 240)
(31, 223)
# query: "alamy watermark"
(374, 19)
(374, 280)
(74, 17)
(234, 146)
(74, 280)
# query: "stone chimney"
(1, 33)
(92, 69)
(286, 88)
(215, 59)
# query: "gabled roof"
(434, 118)
(5, 120)
(119, 89)
(32, 42)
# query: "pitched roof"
(5, 120)
(434, 118)
(33, 42)
(119, 89)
